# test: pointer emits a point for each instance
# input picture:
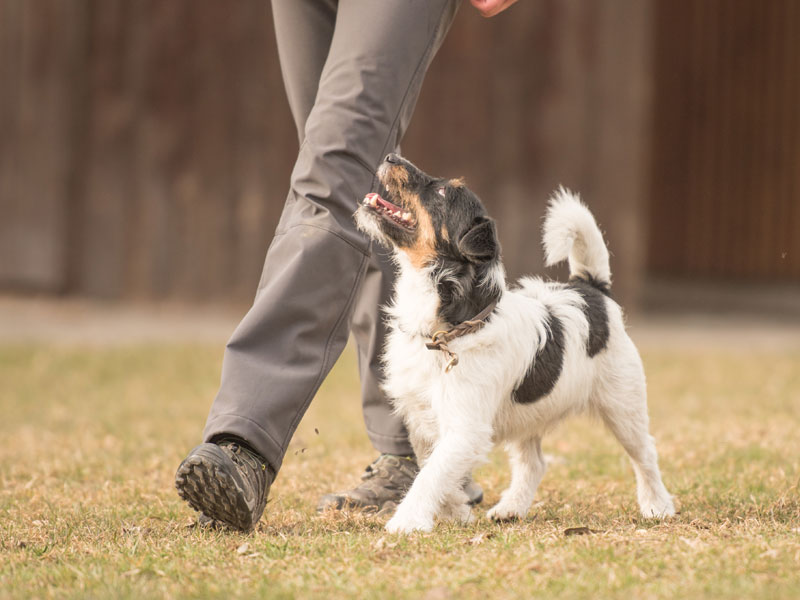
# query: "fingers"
(489, 8)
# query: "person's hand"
(489, 8)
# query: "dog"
(471, 362)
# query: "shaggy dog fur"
(546, 350)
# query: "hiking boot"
(226, 482)
(385, 483)
(387, 479)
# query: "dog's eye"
(442, 191)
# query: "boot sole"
(205, 481)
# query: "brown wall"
(166, 124)
(726, 165)
(556, 92)
(150, 143)
(41, 50)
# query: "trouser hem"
(390, 444)
(251, 432)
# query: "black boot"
(226, 482)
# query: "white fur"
(455, 418)
(570, 232)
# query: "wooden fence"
(146, 145)
(726, 141)
(151, 150)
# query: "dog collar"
(441, 338)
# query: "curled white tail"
(570, 232)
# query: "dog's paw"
(660, 509)
(503, 511)
(408, 524)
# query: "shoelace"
(241, 456)
(371, 472)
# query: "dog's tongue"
(374, 199)
(387, 209)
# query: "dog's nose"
(392, 158)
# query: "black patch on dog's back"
(601, 286)
(546, 368)
(595, 311)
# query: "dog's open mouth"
(390, 212)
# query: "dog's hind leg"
(623, 408)
(527, 468)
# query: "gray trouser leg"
(385, 429)
(316, 266)
(304, 29)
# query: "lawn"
(92, 437)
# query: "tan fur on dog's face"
(421, 250)
(441, 227)
(443, 210)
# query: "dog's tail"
(570, 232)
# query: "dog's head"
(441, 226)
(427, 218)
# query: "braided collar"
(441, 338)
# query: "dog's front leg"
(453, 458)
(464, 413)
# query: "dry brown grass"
(91, 438)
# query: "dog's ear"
(479, 243)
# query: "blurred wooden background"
(725, 189)
(146, 145)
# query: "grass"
(91, 439)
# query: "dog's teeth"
(406, 216)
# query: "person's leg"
(232, 475)
(315, 267)
(300, 320)
(304, 30)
